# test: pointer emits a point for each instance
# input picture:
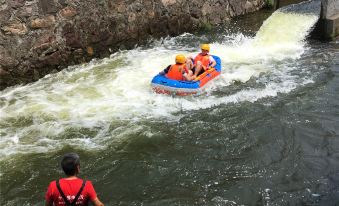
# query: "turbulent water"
(264, 133)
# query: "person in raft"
(202, 61)
(71, 190)
(179, 70)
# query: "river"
(266, 132)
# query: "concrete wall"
(331, 8)
(329, 22)
(281, 3)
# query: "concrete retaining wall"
(330, 19)
(281, 3)
(331, 8)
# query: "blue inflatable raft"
(162, 84)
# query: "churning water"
(264, 133)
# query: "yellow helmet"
(205, 47)
(180, 59)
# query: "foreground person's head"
(70, 164)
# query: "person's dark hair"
(69, 163)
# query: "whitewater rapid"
(46, 115)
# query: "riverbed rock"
(38, 37)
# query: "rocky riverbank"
(38, 37)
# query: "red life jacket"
(176, 72)
(205, 60)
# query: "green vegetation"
(206, 26)
(270, 3)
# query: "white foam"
(35, 117)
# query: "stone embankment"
(38, 37)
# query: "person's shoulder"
(89, 186)
(52, 183)
(88, 182)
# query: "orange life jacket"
(205, 60)
(176, 72)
